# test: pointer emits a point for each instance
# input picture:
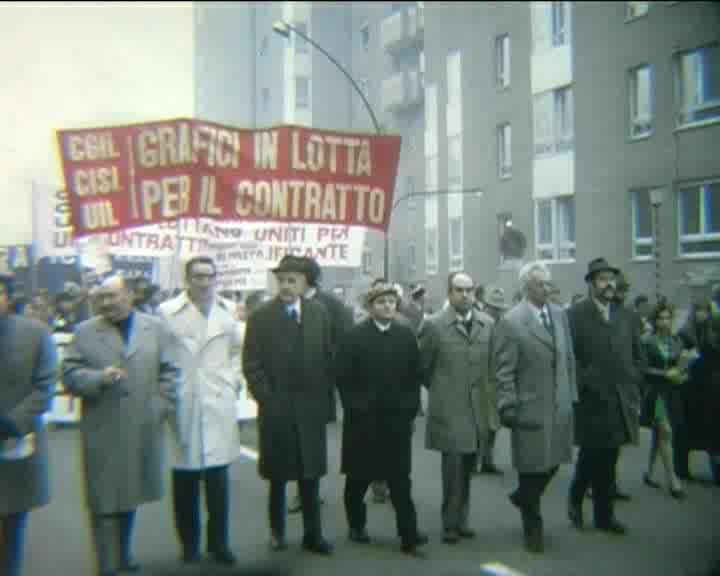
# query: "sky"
(82, 64)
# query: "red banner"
(129, 176)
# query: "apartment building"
(571, 118)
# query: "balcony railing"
(402, 91)
(402, 30)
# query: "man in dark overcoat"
(380, 390)
(286, 362)
(28, 373)
(610, 361)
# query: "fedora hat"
(599, 265)
(495, 297)
(382, 289)
(290, 263)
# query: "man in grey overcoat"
(535, 376)
(610, 363)
(287, 365)
(455, 347)
(28, 373)
(120, 363)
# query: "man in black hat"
(341, 320)
(286, 362)
(610, 362)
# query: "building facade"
(571, 118)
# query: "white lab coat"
(206, 432)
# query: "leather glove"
(508, 417)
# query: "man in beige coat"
(120, 364)
(207, 343)
(535, 375)
(455, 347)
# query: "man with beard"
(380, 391)
(610, 362)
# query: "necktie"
(468, 324)
(292, 313)
(546, 321)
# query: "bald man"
(119, 363)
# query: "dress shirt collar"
(382, 327)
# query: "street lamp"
(477, 191)
(284, 29)
(656, 199)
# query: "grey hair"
(527, 270)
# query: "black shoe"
(575, 514)
(278, 542)
(191, 557)
(451, 537)
(678, 493)
(318, 546)
(533, 536)
(224, 557)
(649, 481)
(466, 533)
(360, 536)
(612, 527)
(411, 547)
(129, 566)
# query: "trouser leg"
(354, 498)
(276, 507)
(216, 497)
(12, 539)
(186, 504)
(405, 513)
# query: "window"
(412, 259)
(263, 46)
(454, 78)
(365, 36)
(455, 227)
(555, 228)
(553, 118)
(698, 85)
(302, 92)
(431, 251)
(455, 164)
(550, 24)
(367, 261)
(699, 214)
(504, 148)
(502, 61)
(421, 68)
(560, 23)
(301, 45)
(504, 221)
(636, 9)
(266, 99)
(642, 230)
(431, 121)
(640, 101)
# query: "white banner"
(257, 246)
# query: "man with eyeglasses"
(206, 341)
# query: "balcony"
(402, 92)
(402, 30)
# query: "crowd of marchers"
(587, 375)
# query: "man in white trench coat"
(207, 339)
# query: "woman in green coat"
(666, 372)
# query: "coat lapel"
(537, 329)
(216, 326)
(137, 334)
(109, 337)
